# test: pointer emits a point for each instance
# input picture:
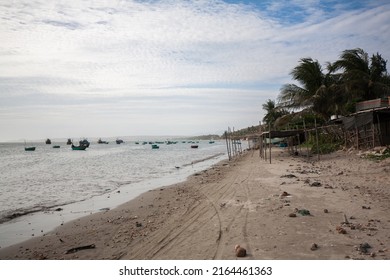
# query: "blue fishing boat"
(78, 148)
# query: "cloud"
(162, 56)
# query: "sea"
(42, 189)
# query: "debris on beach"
(39, 256)
(341, 230)
(346, 219)
(378, 153)
(364, 248)
(314, 247)
(138, 224)
(76, 249)
(292, 215)
(304, 212)
(284, 194)
(289, 176)
(315, 184)
(240, 252)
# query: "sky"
(79, 68)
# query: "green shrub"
(326, 144)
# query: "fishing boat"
(119, 141)
(30, 148)
(78, 148)
(155, 146)
(194, 146)
(100, 141)
(84, 143)
(48, 141)
(69, 142)
(56, 147)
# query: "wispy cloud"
(122, 53)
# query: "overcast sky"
(111, 68)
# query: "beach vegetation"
(379, 156)
(273, 112)
(327, 143)
(336, 88)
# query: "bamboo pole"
(231, 142)
(318, 152)
(227, 145)
(265, 148)
(307, 146)
(260, 143)
(234, 143)
(299, 142)
(357, 137)
(379, 130)
(269, 143)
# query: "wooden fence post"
(269, 143)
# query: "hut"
(370, 125)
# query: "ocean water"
(40, 181)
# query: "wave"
(8, 216)
(203, 159)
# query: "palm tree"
(364, 78)
(318, 92)
(329, 98)
(352, 78)
(309, 74)
(273, 112)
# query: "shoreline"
(245, 201)
(37, 223)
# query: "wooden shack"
(370, 126)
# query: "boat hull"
(78, 148)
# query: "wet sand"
(336, 208)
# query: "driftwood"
(76, 249)
(346, 220)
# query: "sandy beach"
(336, 208)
